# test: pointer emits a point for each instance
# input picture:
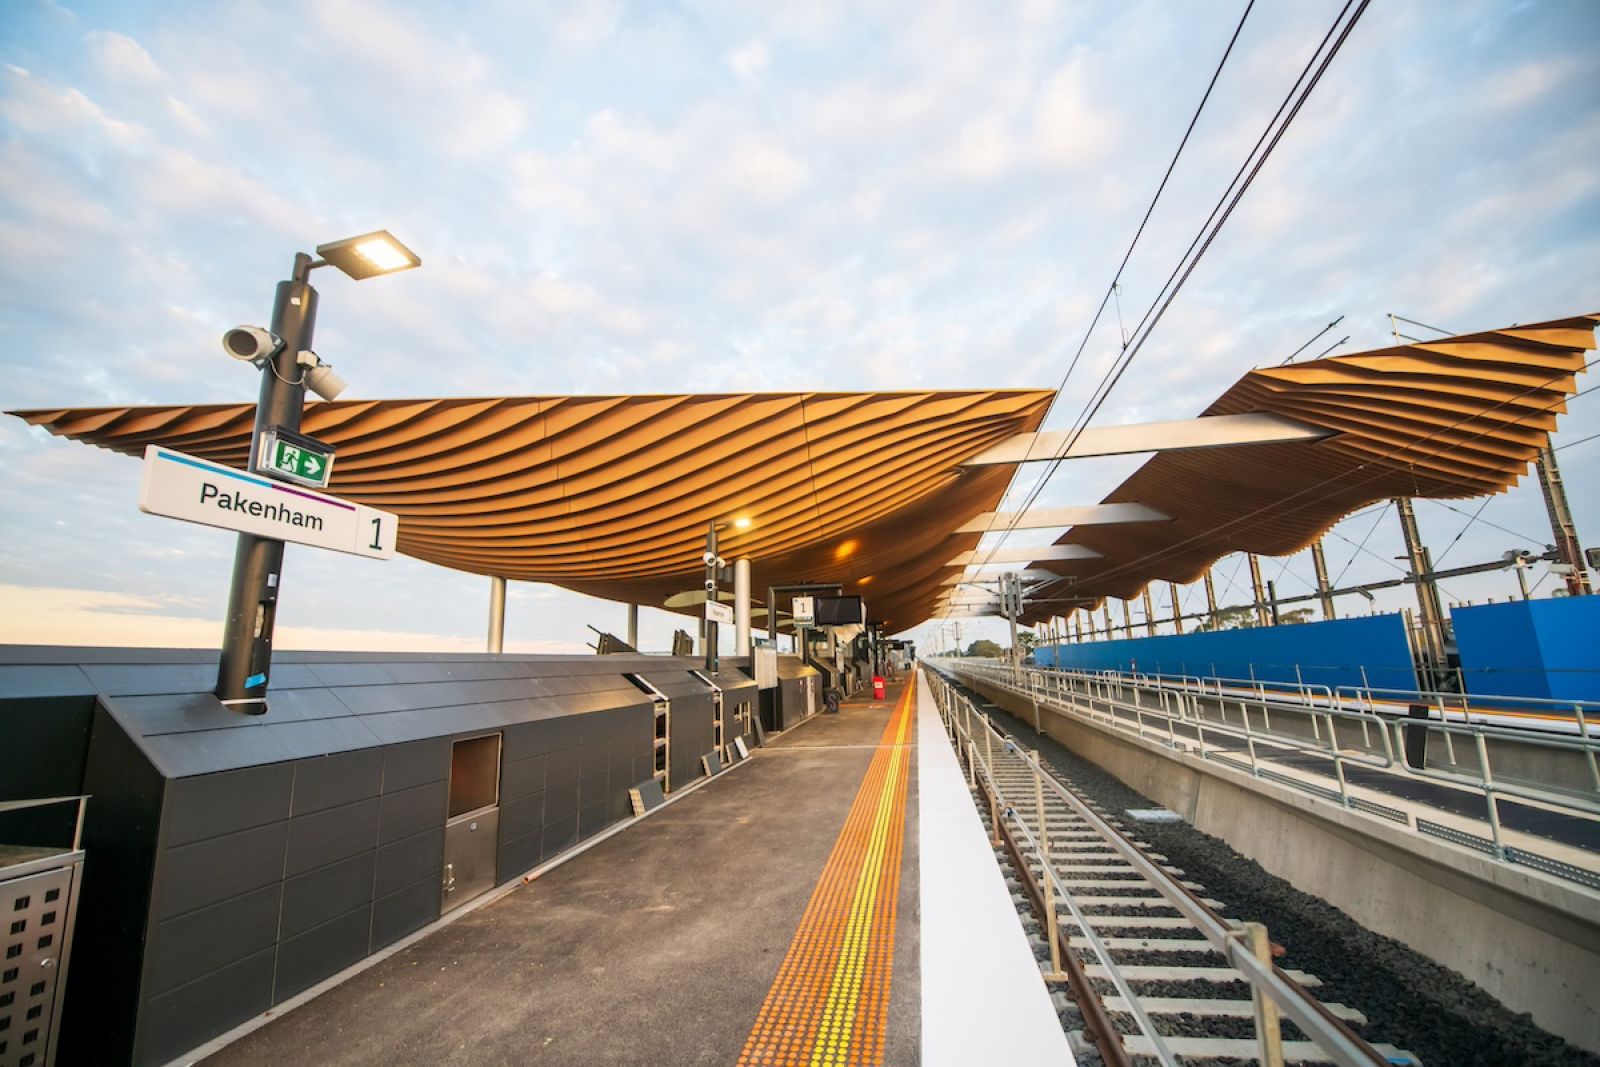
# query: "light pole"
(258, 561)
(714, 566)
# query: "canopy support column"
(497, 614)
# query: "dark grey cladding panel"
(316, 738)
(559, 834)
(592, 787)
(519, 856)
(560, 801)
(410, 810)
(124, 679)
(356, 673)
(211, 751)
(415, 763)
(197, 943)
(305, 960)
(211, 871)
(433, 722)
(331, 781)
(328, 836)
(322, 895)
(561, 767)
(594, 818)
(522, 740)
(520, 778)
(397, 914)
(521, 817)
(215, 804)
(445, 672)
(409, 859)
(44, 680)
(177, 713)
(184, 1018)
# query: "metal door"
(470, 853)
(472, 826)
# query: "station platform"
(833, 900)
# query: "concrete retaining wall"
(1530, 940)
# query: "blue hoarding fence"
(1366, 651)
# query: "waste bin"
(877, 687)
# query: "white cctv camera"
(710, 559)
(711, 585)
(321, 379)
(251, 344)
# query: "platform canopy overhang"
(611, 495)
(1455, 418)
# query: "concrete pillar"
(1428, 606)
(1262, 618)
(497, 614)
(1149, 613)
(1211, 600)
(741, 607)
(1324, 591)
(1177, 612)
(633, 625)
(1561, 524)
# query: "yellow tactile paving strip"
(829, 1003)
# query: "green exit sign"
(294, 457)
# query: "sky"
(614, 197)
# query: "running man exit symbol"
(295, 458)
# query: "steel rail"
(1341, 1043)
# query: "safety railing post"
(1269, 1032)
(1583, 734)
(1052, 930)
(1038, 807)
(1489, 795)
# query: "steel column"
(1211, 600)
(1561, 524)
(1177, 612)
(1127, 619)
(497, 613)
(633, 625)
(1262, 618)
(1149, 614)
(1428, 604)
(1319, 560)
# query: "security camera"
(711, 585)
(251, 344)
(710, 559)
(322, 380)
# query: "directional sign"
(720, 613)
(295, 457)
(195, 490)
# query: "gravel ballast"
(1409, 1001)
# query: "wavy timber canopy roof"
(1454, 418)
(610, 495)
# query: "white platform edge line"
(983, 1000)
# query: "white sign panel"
(719, 613)
(804, 609)
(196, 490)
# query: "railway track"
(1156, 970)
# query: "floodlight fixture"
(369, 255)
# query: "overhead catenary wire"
(1270, 137)
(1111, 290)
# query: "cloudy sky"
(617, 197)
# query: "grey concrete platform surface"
(656, 946)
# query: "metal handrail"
(1263, 977)
(1134, 694)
